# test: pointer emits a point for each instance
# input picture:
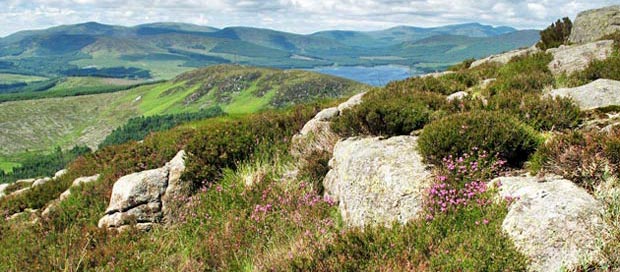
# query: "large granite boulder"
(317, 136)
(575, 58)
(377, 181)
(597, 94)
(505, 57)
(552, 221)
(592, 25)
(139, 198)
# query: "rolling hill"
(41, 124)
(164, 50)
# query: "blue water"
(376, 75)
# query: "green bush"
(597, 69)
(526, 74)
(446, 84)
(492, 131)
(468, 240)
(388, 113)
(584, 158)
(542, 113)
(226, 143)
(556, 34)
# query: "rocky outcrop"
(505, 57)
(552, 221)
(377, 181)
(317, 136)
(140, 198)
(598, 94)
(575, 58)
(592, 25)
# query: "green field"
(7, 166)
(6, 78)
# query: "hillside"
(41, 124)
(164, 50)
(507, 163)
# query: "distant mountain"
(399, 34)
(164, 50)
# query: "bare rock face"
(377, 181)
(571, 59)
(552, 221)
(140, 198)
(592, 25)
(505, 57)
(3, 189)
(317, 135)
(597, 94)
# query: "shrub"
(388, 113)
(446, 84)
(556, 34)
(542, 113)
(526, 74)
(468, 240)
(597, 69)
(496, 132)
(226, 143)
(462, 65)
(584, 158)
(475, 165)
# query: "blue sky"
(300, 16)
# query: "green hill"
(39, 125)
(164, 50)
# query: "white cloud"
(303, 16)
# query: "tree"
(556, 34)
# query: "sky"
(299, 16)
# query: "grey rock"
(25, 181)
(3, 189)
(141, 198)
(138, 189)
(353, 101)
(317, 136)
(437, 74)
(575, 58)
(176, 187)
(592, 25)
(457, 96)
(84, 180)
(41, 181)
(327, 114)
(598, 94)
(505, 57)
(552, 221)
(377, 181)
(60, 173)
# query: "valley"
(164, 50)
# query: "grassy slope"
(39, 125)
(6, 78)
